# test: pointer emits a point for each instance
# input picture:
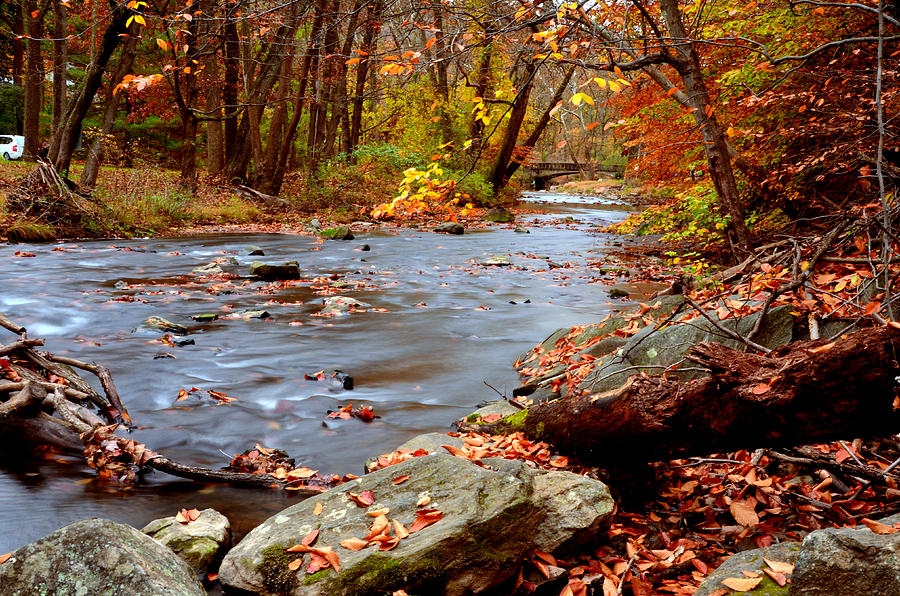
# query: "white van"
(11, 146)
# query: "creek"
(439, 327)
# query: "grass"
(148, 201)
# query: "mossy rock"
(97, 557)
(488, 521)
(752, 560)
(338, 233)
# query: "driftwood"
(802, 393)
(43, 400)
(267, 201)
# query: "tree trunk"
(231, 88)
(440, 74)
(60, 66)
(538, 129)
(687, 63)
(70, 128)
(481, 88)
(18, 62)
(801, 393)
(215, 148)
(372, 27)
(95, 156)
(34, 80)
(498, 176)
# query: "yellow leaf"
(162, 44)
(317, 510)
(601, 82)
(741, 584)
(614, 87)
(352, 61)
(139, 19)
(730, 131)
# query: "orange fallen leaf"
(5, 558)
(377, 512)
(316, 563)
(295, 564)
(454, 450)
(388, 544)
(779, 566)
(744, 513)
(424, 518)
(212, 576)
(423, 500)
(760, 389)
(317, 510)
(363, 499)
(310, 538)
(401, 479)
(878, 527)
(354, 544)
(741, 584)
(379, 526)
(400, 530)
(778, 578)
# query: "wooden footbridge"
(543, 171)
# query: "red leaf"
(363, 499)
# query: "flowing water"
(439, 326)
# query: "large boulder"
(752, 561)
(489, 518)
(849, 561)
(97, 557)
(664, 347)
(269, 272)
(200, 542)
(499, 215)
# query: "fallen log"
(43, 400)
(804, 392)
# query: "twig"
(732, 334)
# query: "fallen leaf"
(424, 499)
(354, 543)
(878, 527)
(379, 526)
(744, 513)
(760, 389)
(317, 510)
(401, 479)
(316, 563)
(400, 530)
(424, 518)
(779, 567)
(741, 584)
(363, 499)
(377, 512)
(295, 564)
(5, 558)
(778, 578)
(310, 538)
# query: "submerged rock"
(97, 557)
(205, 317)
(451, 227)
(618, 293)
(254, 314)
(268, 272)
(201, 542)
(338, 233)
(342, 305)
(496, 261)
(255, 251)
(208, 269)
(165, 325)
